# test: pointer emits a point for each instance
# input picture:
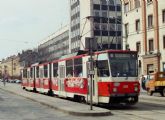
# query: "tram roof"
(77, 55)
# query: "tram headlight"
(114, 89)
(136, 89)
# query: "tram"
(115, 80)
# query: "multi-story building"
(28, 57)
(11, 67)
(55, 45)
(143, 30)
(100, 19)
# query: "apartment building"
(143, 30)
(10, 66)
(99, 19)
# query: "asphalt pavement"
(63, 105)
(70, 107)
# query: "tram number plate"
(125, 86)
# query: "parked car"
(18, 81)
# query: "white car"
(18, 81)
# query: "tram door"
(28, 78)
(34, 76)
(61, 80)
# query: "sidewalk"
(156, 97)
(152, 99)
(66, 106)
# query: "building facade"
(28, 57)
(55, 45)
(99, 19)
(11, 67)
(143, 30)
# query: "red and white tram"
(115, 79)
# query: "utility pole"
(12, 67)
(90, 45)
(91, 68)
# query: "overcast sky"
(24, 23)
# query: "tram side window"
(78, 67)
(103, 68)
(45, 71)
(69, 68)
(28, 74)
(55, 69)
(31, 72)
(25, 73)
(37, 72)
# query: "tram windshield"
(123, 65)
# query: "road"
(13, 107)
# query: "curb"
(108, 113)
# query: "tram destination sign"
(123, 55)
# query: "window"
(104, 7)
(111, 2)
(138, 47)
(37, 72)
(104, 14)
(164, 42)
(137, 3)
(96, 13)
(31, 72)
(78, 67)
(150, 21)
(151, 45)
(55, 69)
(69, 68)
(163, 67)
(96, 7)
(25, 73)
(149, 1)
(97, 26)
(126, 7)
(163, 16)
(103, 2)
(150, 68)
(112, 27)
(104, 27)
(119, 27)
(28, 74)
(45, 71)
(123, 65)
(126, 29)
(103, 68)
(138, 25)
